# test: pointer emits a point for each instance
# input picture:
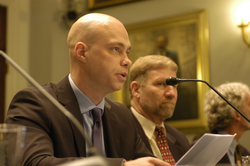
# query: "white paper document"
(208, 150)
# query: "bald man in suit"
(98, 51)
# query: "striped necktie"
(238, 154)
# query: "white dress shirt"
(231, 149)
(149, 129)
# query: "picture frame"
(188, 37)
(96, 4)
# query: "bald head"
(87, 28)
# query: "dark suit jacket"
(52, 138)
(177, 141)
(225, 159)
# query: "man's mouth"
(124, 74)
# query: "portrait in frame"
(188, 38)
(95, 4)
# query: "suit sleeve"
(49, 139)
(29, 108)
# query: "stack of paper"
(208, 150)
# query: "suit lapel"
(111, 131)
(67, 98)
(174, 148)
(141, 132)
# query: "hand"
(146, 161)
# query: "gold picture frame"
(95, 4)
(188, 36)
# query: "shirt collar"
(147, 125)
(233, 144)
(85, 103)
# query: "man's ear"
(80, 50)
(134, 87)
(237, 116)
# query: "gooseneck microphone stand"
(174, 81)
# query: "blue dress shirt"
(86, 105)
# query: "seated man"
(153, 101)
(98, 52)
(223, 119)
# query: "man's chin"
(167, 114)
(118, 87)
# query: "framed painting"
(187, 36)
(95, 4)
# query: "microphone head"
(172, 81)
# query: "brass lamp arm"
(243, 29)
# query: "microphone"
(173, 81)
(93, 150)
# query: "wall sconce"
(242, 14)
(245, 34)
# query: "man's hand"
(146, 161)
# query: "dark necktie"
(97, 128)
(163, 146)
(238, 154)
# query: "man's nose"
(170, 91)
(126, 62)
